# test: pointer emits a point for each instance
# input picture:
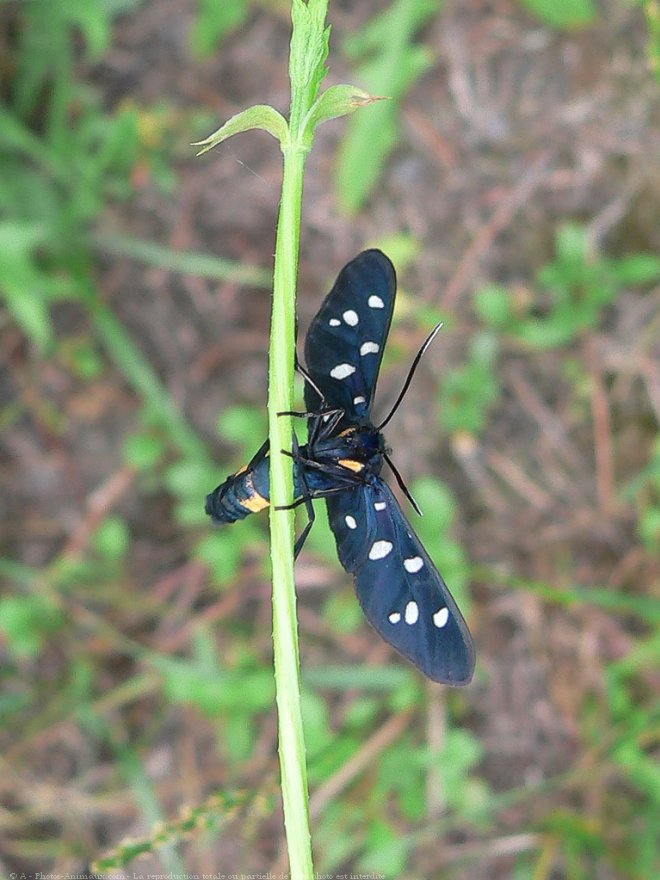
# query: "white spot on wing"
(369, 348)
(441, 617)
(350, 521)
(342, 371)
(413, 564)
(380, 505)
(411, 613)
(359, 399)
(334, 322)
(376, 302)
(394, 617)
(380, 549)
(350, 317)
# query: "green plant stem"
(285, 628)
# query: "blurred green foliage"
(388, 62)
(563, 14)
(644, 490)
(64, 159)
(469, 390)
(214, 21)
(652, 14)
(573, 291)
(27, 622)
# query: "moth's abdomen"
(241, 494)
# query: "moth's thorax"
(365, 441)
(357, 448)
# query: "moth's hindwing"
(345, 341)
(401, 592)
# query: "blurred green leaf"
(324, 763)
(492, 305)
(221, 552)
(190, 262)
(366, 678)
(438, 505)
(386, 852)
(46, 35)
(460, 753)
(143, 451)
(342, 611)
(26, 621)
(338, 832)
(85, 360)
(189, 477)
(649, 528)
(402, 772)
(112, 539)
(24, 286)
(316, 722)
(214, 21)
(390, 64)
(564, 14)
(362, 712)
(468, 392)
(243, 425)
(636, 269)
(238, 735)
(652, 13)
(402, 248)
(224, 690)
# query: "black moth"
(400, 590)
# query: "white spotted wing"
(400, 590)
(345, 341)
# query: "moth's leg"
(294, 504)
(327, 422)
(305, 499)
(319, 422)
(323, 424)
(348, 477)
(317, 493)
(311, 516)
(259, 455)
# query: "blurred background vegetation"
(513, 179)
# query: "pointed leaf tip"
(337, 101)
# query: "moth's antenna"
(411, 372)
(402, 485)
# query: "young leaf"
(335, 101)
(260, 116)
(309, 50)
